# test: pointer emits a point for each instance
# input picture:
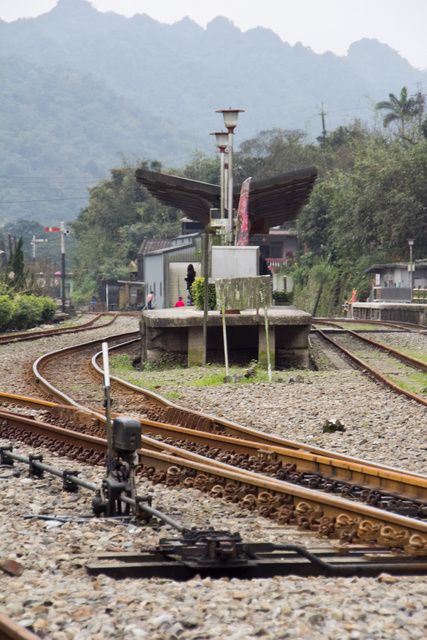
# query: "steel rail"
(229, 430)
(43, 360)
(47, 333)
(9, 630)
(225, 434)
(411, 327)
(180, 454)
(162, 456)
(376, 374)
(406, 359)
(365, 473)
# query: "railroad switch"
(204, 548)
(121, 477)
(6, 461)
(35, 470)
(109, 502)
(67, 483)
(220, 554)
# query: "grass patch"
(415, 382)
(161, 376)
(172, 395)
(414, 354)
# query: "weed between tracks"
(414, 382)
(170, 374)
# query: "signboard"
(377, 279)
(243, 293)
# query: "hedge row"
(24, 312)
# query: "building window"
(276, 251)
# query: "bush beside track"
(25, 311)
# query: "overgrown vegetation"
(24, 311)
(20, 308)
(169, 373)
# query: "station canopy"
(272, 201)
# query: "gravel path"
(55, 597)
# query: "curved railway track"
(280, 478)
(21, 336)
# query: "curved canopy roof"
(274, 200)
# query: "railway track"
(278, 477)
(38, 407)
(396, 326)
(394, 371)
(21, 336)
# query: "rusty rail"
(414, 362)
(46, 333)
(9, 630)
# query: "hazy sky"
(323, 25)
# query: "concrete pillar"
(262, 346)
(195, 346)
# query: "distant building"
(392, 282)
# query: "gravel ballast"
(57, 599)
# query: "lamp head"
(221, 139)
(230, 117)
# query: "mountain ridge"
(151, 90)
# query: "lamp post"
(411, 280)
(222, 143)
(230, 121)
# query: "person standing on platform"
(191, 275)
(150, 300)
(179, 302)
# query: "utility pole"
(33, 244)
(323, 114)
(420, 102)
(63, 233)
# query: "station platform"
(412, 312)
(180, 332)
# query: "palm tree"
(400, 110)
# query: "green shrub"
(198, 294)
(48, 309)
(22, 313)
(282, 297)
(30, 311)
(6, 311)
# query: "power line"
(50, 200)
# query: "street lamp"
(411, 244)
(230, 121)
(222, 143)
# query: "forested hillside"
(80, 87)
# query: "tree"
(110, 230)
(16, 272)
(401, 111)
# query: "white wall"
(177, 283)
(234, 262)
(154, 279)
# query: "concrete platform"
(389, 311)
(180, 332)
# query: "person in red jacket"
(179, 302)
